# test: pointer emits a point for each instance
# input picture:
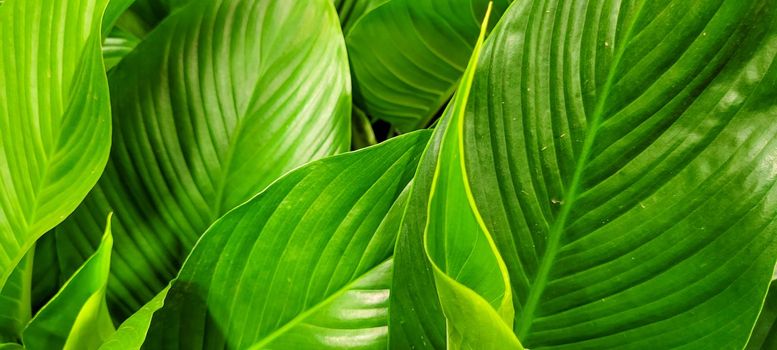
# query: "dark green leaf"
(407, 56)
(764, 335)
(15, 300)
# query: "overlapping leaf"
(220, 100)
(764, 335)
(472, 281)
(15, 300)
(407, 56)
(302, 265)
(351, 11)
(77, 317)
(132, 332)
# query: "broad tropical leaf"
(624, 164)
(245, 91)
(287, 269)
(407, 56)
(77, 317)
(54, 117)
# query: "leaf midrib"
(557, 229)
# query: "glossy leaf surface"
(291, 267)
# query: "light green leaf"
(242, 92)
(10, 346)
(54, 117)
(77, 317)
(407, 56)
(286, 269)
(472, 280)
(132, 332)
(622, 155)
(764, 335)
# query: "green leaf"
(77, 317)
(622, 154)
(764, 335)
(286, 269)
(351, 11)
(54, 120)
(113, 11)
(407, 56)
(116, 46)
(362, 134)
(242, 92)
(472, 280)
(15, 300)
(133, 331)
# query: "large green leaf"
(216, 103)
(407, 56)
(77, 317)
(622, 154)
(54, 117)
(764, 335)
(305, 264)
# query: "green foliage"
(599, 174)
